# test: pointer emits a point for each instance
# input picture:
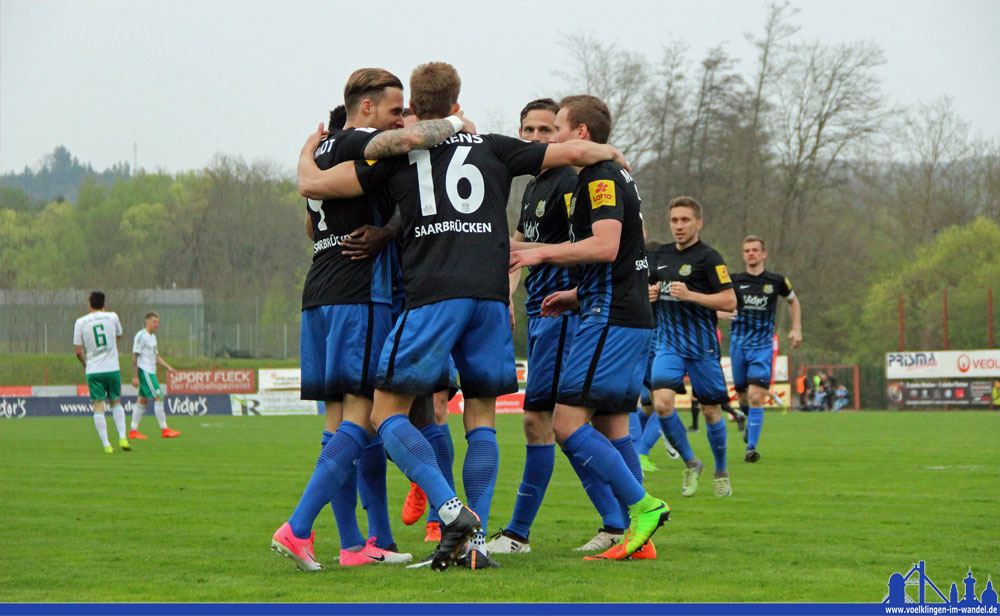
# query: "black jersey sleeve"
(520, 157)
(651, 257)
(352, 143)
(718, 275)
(373, 174)
(526, 198)
(786, 287)
(567, 186)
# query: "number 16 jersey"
(453, 204)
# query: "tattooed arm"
(420, 136)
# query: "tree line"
(854, 195)
(859, 200)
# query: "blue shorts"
(339, 347)
(549, 341)
(647, 381)
(605, 367)
(708, 384)
(449, 380)
(475, 333)
(751, 366)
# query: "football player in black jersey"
(345, 318)
(545, 218)
(752, 331)
(602, 377)
(689, 283)
(456, 247)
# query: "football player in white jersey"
(145, 358)
(95, 342)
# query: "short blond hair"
(690, 202)
(591, 111)
(434, 89)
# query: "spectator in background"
(830, 385)
(801, 387)
(819, 399)
(840, 397)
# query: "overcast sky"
(252, 78)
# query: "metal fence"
(42, 322)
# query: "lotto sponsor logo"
(722, 273)
(211, 382)
(602, 192)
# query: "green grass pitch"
(838, 502)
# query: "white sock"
(137, 415)
(450, 510)
(479, 542)
(160, 415)
(102, 428)
(118, 414)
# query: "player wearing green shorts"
(95, 342)
(145, 358)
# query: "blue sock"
(595, 451)
(635, 426)
(414, 456)
(479, 473)
(650, 434)
(600, 493)
(538, 465)
(371, 487)
(628, 453)
(717, 440)
(444, 452)
(755, 422)
(448, 472)
(345, 504)
(676, 432)
(643, 418)
(335, 464)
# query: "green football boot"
(648, 466)
(647, 515)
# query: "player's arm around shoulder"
(418, 136)
(580, 153)
(338, 182)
